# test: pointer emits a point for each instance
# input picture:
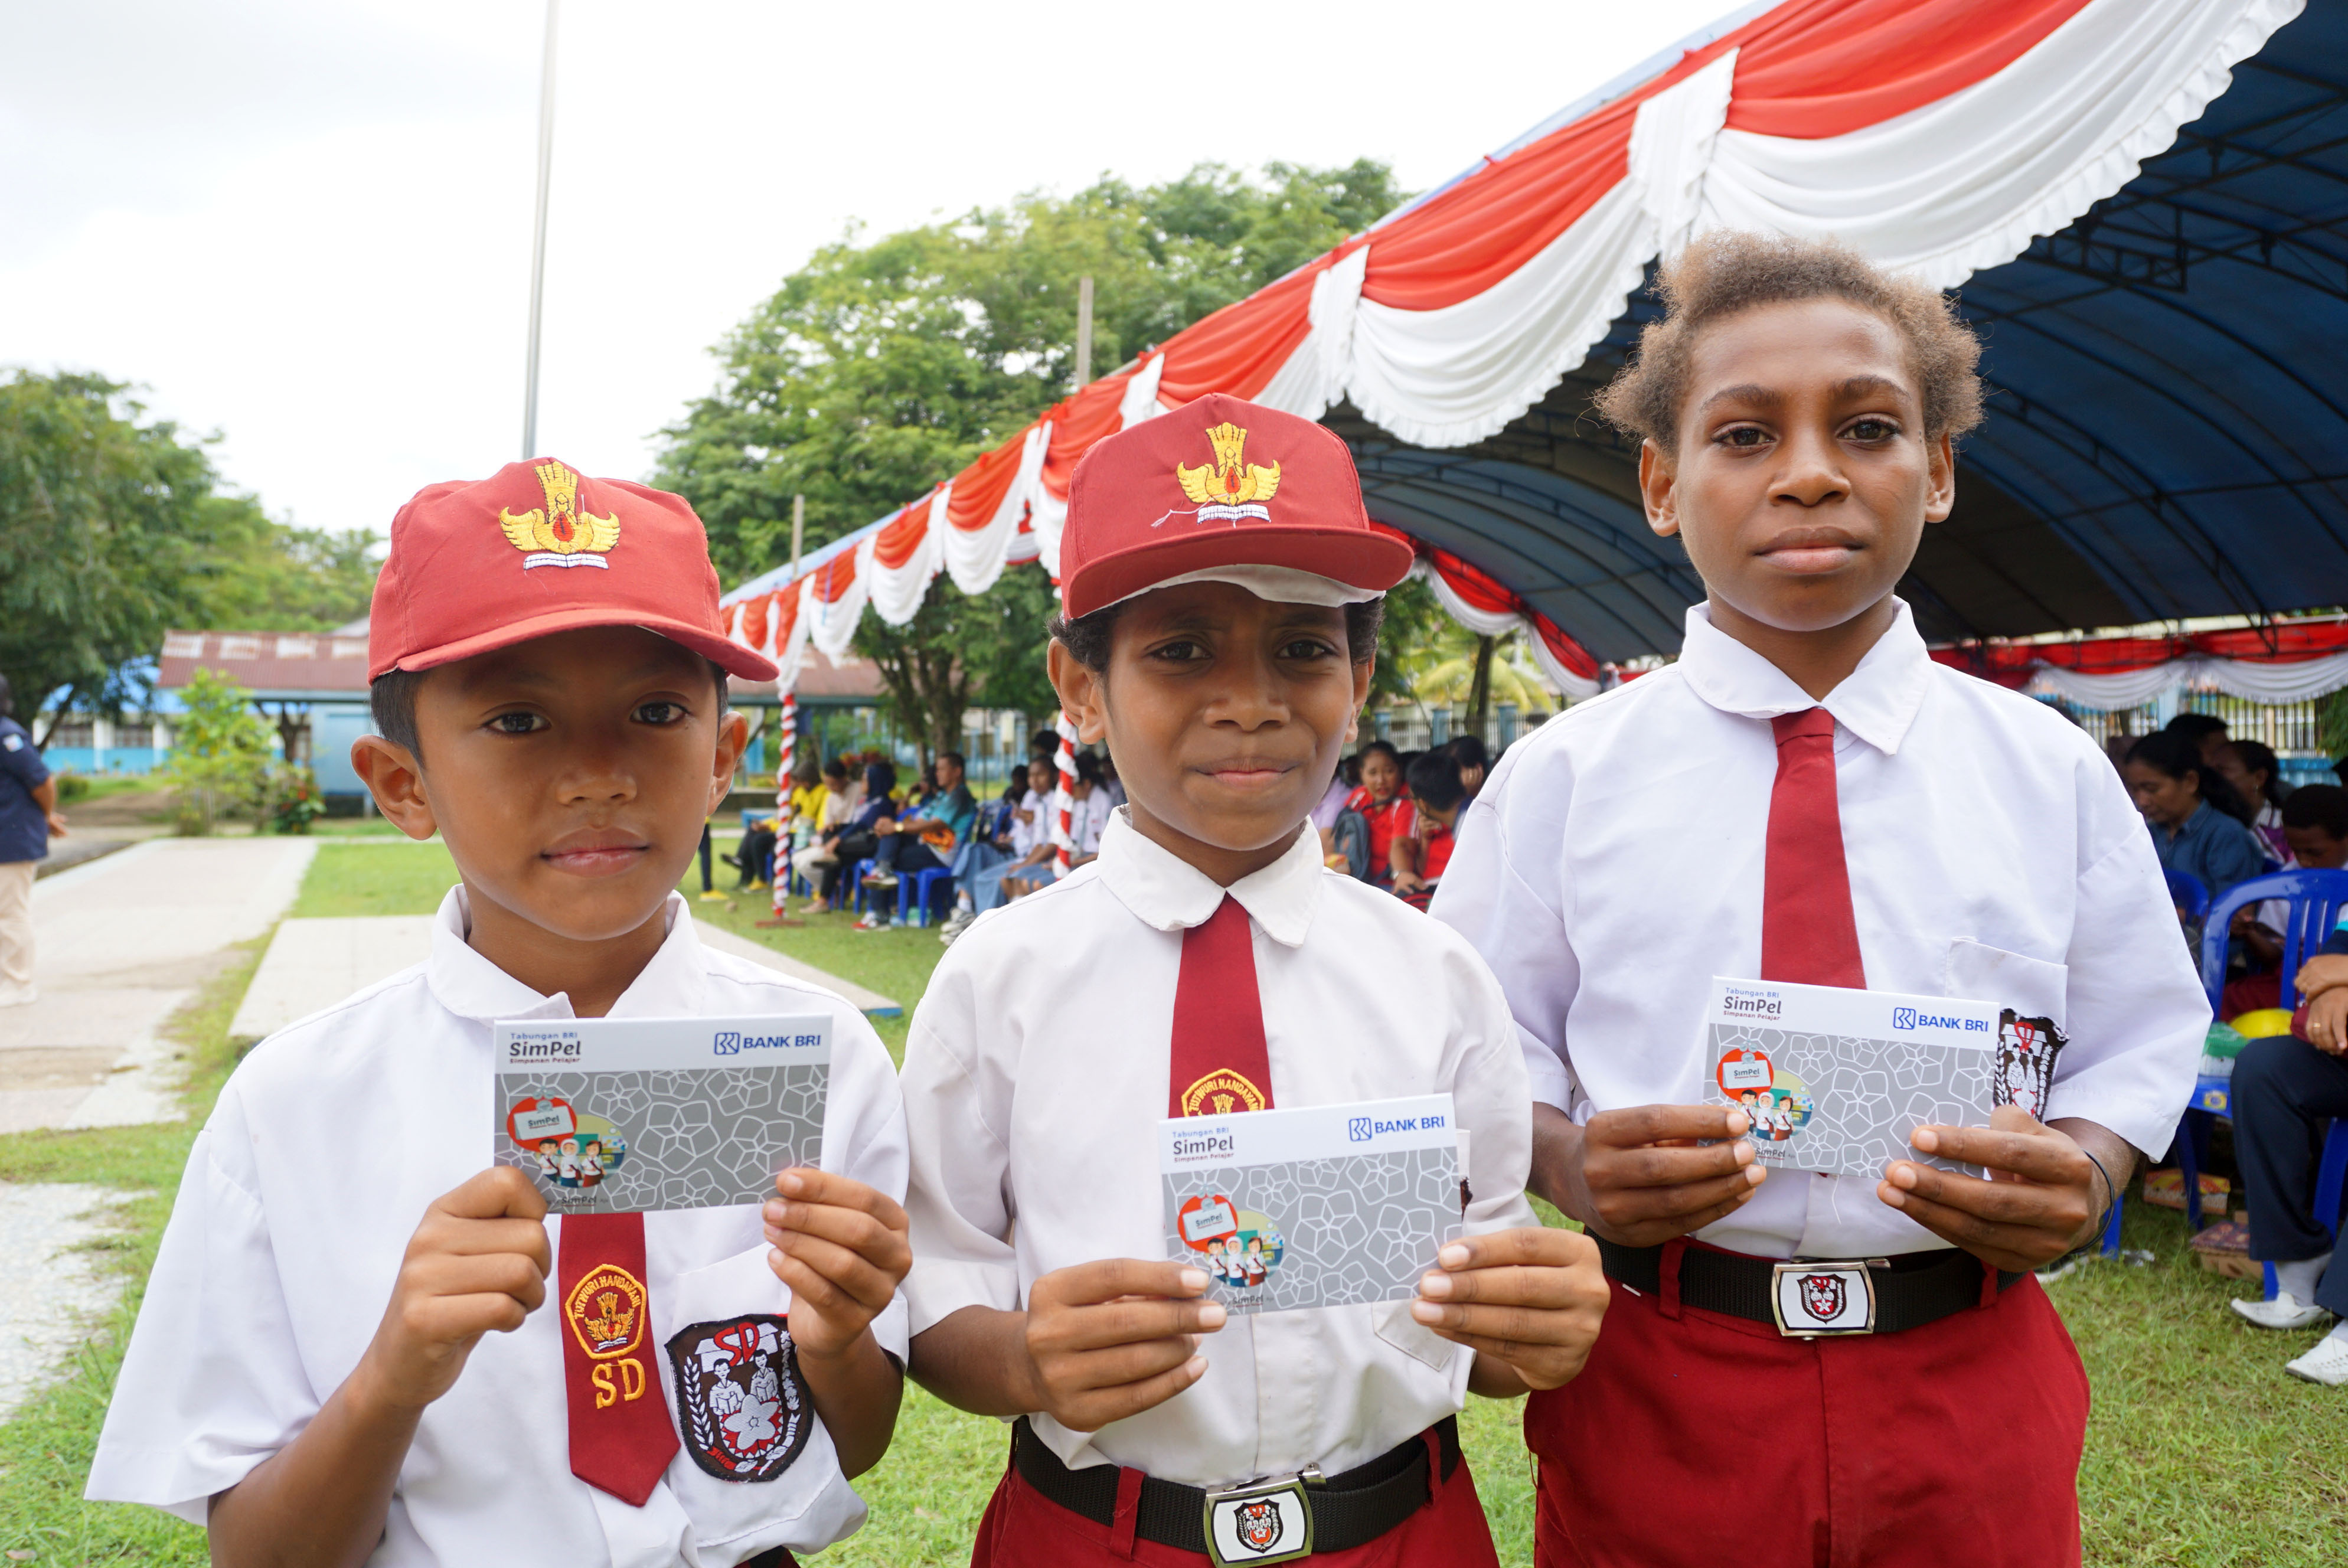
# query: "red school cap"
(539, 548)
(1218, 482)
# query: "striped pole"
(1062, 835)
(786, 736)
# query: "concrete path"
(312, 964)
(52, 1293)
(120, 943)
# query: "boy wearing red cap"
(312, 1376)
(1221, 601)
(1847, 1370)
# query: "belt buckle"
(1814, 1298)
(1262, 1522)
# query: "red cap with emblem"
(1220, 483)
(539, 548)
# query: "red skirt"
(1024, 1529)
(1700, 1439)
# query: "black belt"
(1349, 1509)
(1904, 1292)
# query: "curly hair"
(1730, 270)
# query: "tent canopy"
(2143, 202)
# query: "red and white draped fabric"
(2282, 662)
(1938, 136)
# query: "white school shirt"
(1026, 835)
(1036, 1075)
(326, 1145)
(1613, 865)
(1087, 818)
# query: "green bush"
(71, 787)
(220, 755)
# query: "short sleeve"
(960, 1197)
(211, 1383)
(20, 758)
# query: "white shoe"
(2326, 1363)
(957, 922)
(2285, 1310)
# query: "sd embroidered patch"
(745, 1412)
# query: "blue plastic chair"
(2185, 889)
(856, 876)
(2316, 899)
(917, 892)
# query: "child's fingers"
(446, 1319)
(1539, 1365)
(807, 1185)
(855, 1229)
(1640, 1124)
(501, 1191)
(1545, 1287)
(845, 1271)
(2014, 1247)
(1091, 1411)
(2004, 1203)
(2041, 1156)
(1110, 1278)
(474, 1238)
(450, 1274)
(1132, 1322)
(1535, 1245)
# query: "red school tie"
(1219, 1063)
(620, 1439)
(1809, 936)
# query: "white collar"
(1165, 890)
(1876, 702)
(674, 984)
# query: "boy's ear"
(1941, 480)
(1081, 693)
(395, 780)
(733, 739)
(1658, 489)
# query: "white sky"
(307, 226)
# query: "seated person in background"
(1437, 797)
(1332, 807)
(2169, 784)
(839, 802)
(2286, 1089)
(1089, 813)
(1029, 844)
(2315, 832)
(926, 839)
(859, 836)
(2250, 770)
(1468, 750)
(1383, 807)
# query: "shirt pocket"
(2033, 987)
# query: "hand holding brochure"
(1835, 1079)
(1326, 1205)
(624, 1115)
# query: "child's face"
(2314, 848)
(1803, 478)
(570, 775)
(1229, 712)
(1380, 777)
(2165, 800)
(1040, 777)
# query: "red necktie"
(1809, 936)
(620, 1439)
(1219, 1063)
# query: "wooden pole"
(798, 531)
(537, 240)
(1084, 331)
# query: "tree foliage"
(884, 366)
(114, 529)
(220, 752)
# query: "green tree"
(103, 533)
(884, 366)
(219, 753)
(261, 574)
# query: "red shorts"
(1024, 1529)
(1700, 1439)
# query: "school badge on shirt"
(745, 1412)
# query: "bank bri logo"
(1903, 1017)
(1358, 1128)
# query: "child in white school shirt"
(1222, 651)
(1807, 797)
(315, 1375)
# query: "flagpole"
(537, 239)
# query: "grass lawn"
(2202, 1451)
